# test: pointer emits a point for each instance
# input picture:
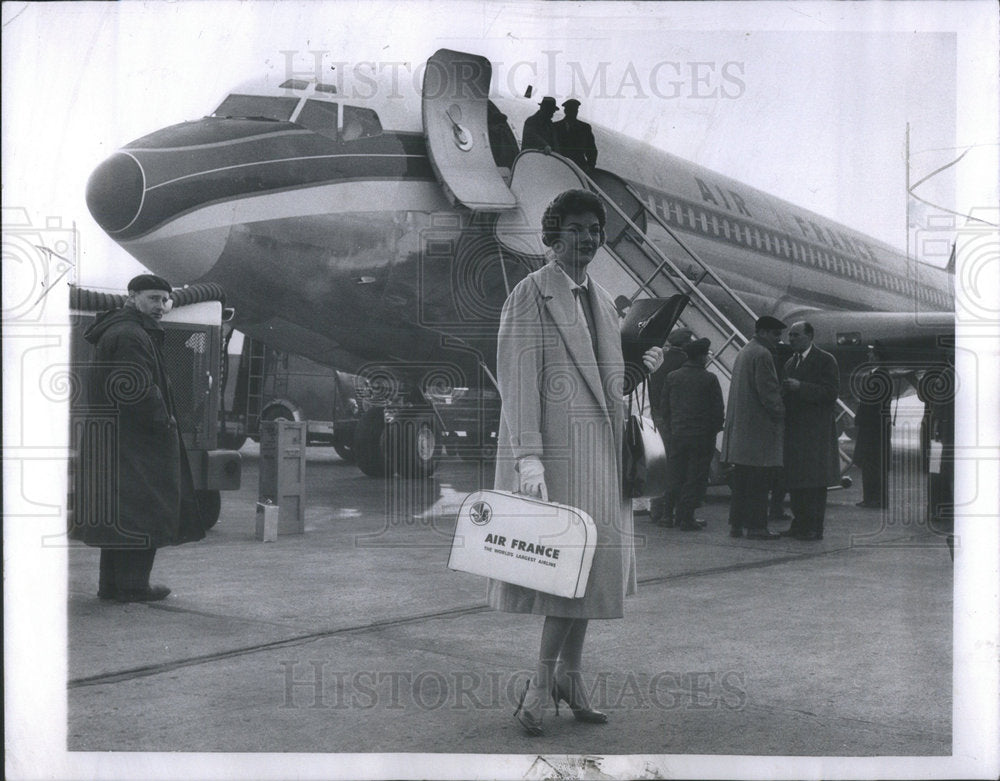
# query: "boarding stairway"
(649, 268)
(657, 275)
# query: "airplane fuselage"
(341, 244)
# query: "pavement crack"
(191, 661)
(308, 637)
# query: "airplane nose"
(115, 191)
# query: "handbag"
(644, 458)
(647, 324)
(521, 540)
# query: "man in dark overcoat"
(660, 512)
(137, 491)
(693, 413)
(537, 132)
(575, 139)
(752, 436)
(812, 459)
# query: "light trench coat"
(559, 405)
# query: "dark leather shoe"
(791, 532)
(694, 526)
(763, 534)
(107, 594)
(148, 594)
(735, 532)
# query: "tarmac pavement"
(355, 637)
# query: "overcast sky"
(806, 101)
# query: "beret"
(680, 337)
(697, 347)
(148, 282)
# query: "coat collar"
(555, 287)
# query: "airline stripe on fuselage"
(720, 226)
(302, 162)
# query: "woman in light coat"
(560, 371)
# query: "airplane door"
(537, 178)
(455, 91)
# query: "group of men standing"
(569, 136)
(788, 425)
(774, 431)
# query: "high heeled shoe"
(531, 725)
(580, 712)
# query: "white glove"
(653, 359)
(532, 475)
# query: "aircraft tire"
(370, 443)
(415, 444)
(345, 451)
(210, 505)
(278, 412)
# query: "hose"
(86, 300)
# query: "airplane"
(380, 233)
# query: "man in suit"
(752, 436)
(812, 460)
(575, 139)
(538, 132)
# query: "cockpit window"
(330, 88)
(294, 84)
(360, 123)
(320, 117)
(256, 107)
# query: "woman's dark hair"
(570, 202)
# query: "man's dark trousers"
(748, 504)
(689, 462)
(125, 569)
(809, 509)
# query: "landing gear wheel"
(281, 412)
(415, 446)
(210, 505)
(369, 443)
(345, 451)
